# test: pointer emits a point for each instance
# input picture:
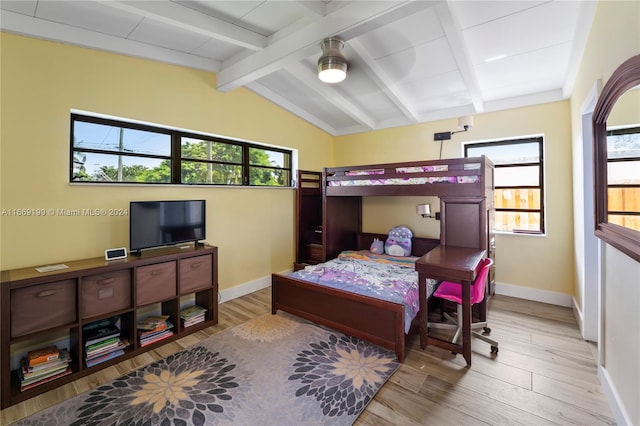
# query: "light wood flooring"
(544, 373)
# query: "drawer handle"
(47, 293)
(106, 281)
(156, 272)
(196, 265)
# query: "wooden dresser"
(45, 308)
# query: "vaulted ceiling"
(409, 61)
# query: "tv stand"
(41, 309)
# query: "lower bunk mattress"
(390, 278)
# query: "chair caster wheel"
(494, 349)
(487, 330)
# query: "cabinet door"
(42, 306)
(195, 273)
(463, 222)
(155, 282)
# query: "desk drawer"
(42, 306)
(105, 293)
(155, 283)
(314, 252)
(195, 274)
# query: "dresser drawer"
(314, 252)
(195, 273)
(155, 282)
(42, 306)
(105, 293)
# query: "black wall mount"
(442, 136)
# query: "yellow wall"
(42, 81)
(517, 256)
(626, 111)
(614, 37)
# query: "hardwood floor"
(544, 373)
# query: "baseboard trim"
(609, 390)
(536, 295)
(577, 313)
(246, 288)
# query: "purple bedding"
(380, 276)
(379, 179)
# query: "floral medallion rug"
(271, 370)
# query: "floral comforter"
(380, 276)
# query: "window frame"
(175, 156)
(633, 130)
(540, 164)
(625, 77)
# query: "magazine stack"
(192, 315)
(102, 341)
(43, 365)
(154, 328)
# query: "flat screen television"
(165, 223)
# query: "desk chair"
(453, 292)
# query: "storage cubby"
(63, 338)
(53, 308)
(309, 229)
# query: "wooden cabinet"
(40, 309)
(469, 222)
(309, 229)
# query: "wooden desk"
(449, 263)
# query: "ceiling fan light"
(332, 70)
(332, 65)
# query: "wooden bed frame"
(374, 320)
(466, 218)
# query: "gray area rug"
(272, 370)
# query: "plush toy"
(399, 242)
(377, 246)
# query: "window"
(623, 177)
(518, 177)
(112, 151)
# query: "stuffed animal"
(399, 241)
(377, 246)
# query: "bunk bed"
(465, 189)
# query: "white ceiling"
(409, 61)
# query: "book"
(156, 338)
(96, 335)
(43, 372)
(26, 378)
(153, 322)
(63, 358)
(42, 355)
(120, 345)
(193, 321)
(102, 349)
(102, 344)
(143, 334)
(192, 311)
(45, 380)
(105, 357)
